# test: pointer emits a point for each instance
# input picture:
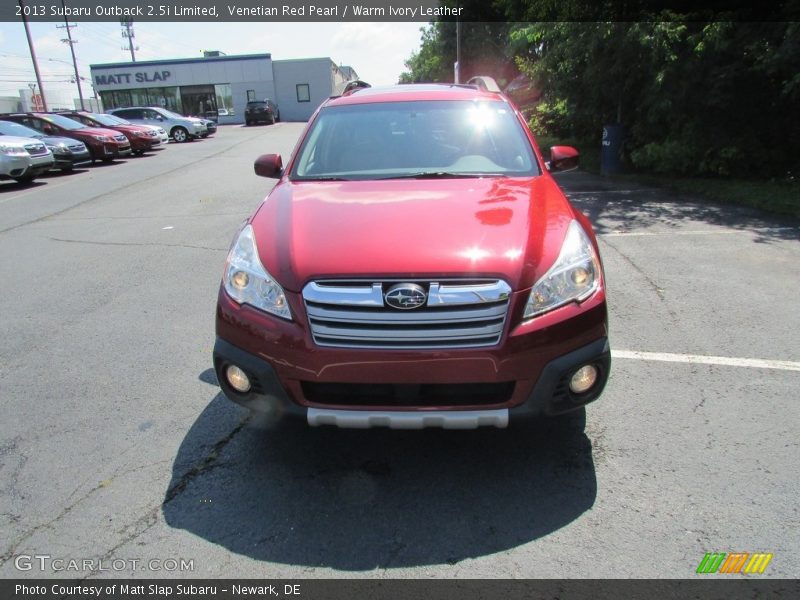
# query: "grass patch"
(782, 197)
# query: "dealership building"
(219, 86)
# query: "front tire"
(180, 135)
(24, 180)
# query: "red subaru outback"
(416, 265)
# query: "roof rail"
(486, 83)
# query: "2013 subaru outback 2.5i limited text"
(416, 265)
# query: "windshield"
(63, 122)
(171, 115)
(415, 139)
(106, 119)
(9, 128)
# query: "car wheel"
(24, 180)
(247, 123)
(272, 120)
(180, 135)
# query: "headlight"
(12, 150)
(247, 281)
(102, 138)
(573, 277)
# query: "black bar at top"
(401, 10)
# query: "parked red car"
(142, 138)
(416, 265)
(103, 144)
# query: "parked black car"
(261, 111)
(211, 127)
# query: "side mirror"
(563, 158)
(269, 165)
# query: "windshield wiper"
(442, 175)
(322, 178)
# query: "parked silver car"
(180, 128)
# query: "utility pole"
(457, 75)
(72, 43)
(127, 32)
(457, 66)
(33, 53)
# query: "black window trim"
(308, 92)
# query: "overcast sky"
(376, 50)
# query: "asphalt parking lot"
(116, 444)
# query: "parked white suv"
(23, 158)
(180, 128)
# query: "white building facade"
(219, 87)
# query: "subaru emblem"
(405, 296)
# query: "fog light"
(583, 379)
(238, 379)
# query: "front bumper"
(41, 164)
(69, 160)
(533, 363)
(144, 144)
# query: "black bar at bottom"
(712, 588)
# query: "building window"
(199, 101)
(224, 99)
(303, 92)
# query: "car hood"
(95, 131)
(56, 140)
(16, 140)
(510, 228)
(130, 128)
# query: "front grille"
(457, 314)
(408, 395)
(36, 149)
(77, 148)
(120, 138)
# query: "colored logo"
(406, 296)
(735, 562)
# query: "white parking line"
(657, 233)
(761, 231)
(755, 363)
(50, 185)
